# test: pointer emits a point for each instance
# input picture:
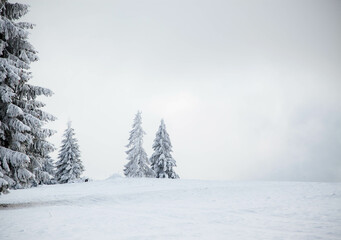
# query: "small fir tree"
(138, 165)
(162, 160)
(3, 183)
(50, 168)
(69, 165)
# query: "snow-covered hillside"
(120, 208)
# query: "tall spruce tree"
(69, 165)
(138, 165)
(23, 145)
(162, 160)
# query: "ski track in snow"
(120, 208)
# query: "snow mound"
(115, 176)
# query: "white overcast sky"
(249, 90)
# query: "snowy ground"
(173, 209)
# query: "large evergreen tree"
(162, 160)
(23, 145)
(69, 165)
(138, 165)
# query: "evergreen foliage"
(69, 165)
(23, 145)
(50, 168)
(138, 165)
(162, 161)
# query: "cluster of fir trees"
(69, 166)
(160, 164)
(24, 150)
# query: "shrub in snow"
(23, 145)
(138, 165)
(162, 160)
(81, 180)
(69, 165)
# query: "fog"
(249, 90)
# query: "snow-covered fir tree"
(138, 165)
(162, 160)
(23, 145)
(69, 165)
(50, 168)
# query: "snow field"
(121, 208)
